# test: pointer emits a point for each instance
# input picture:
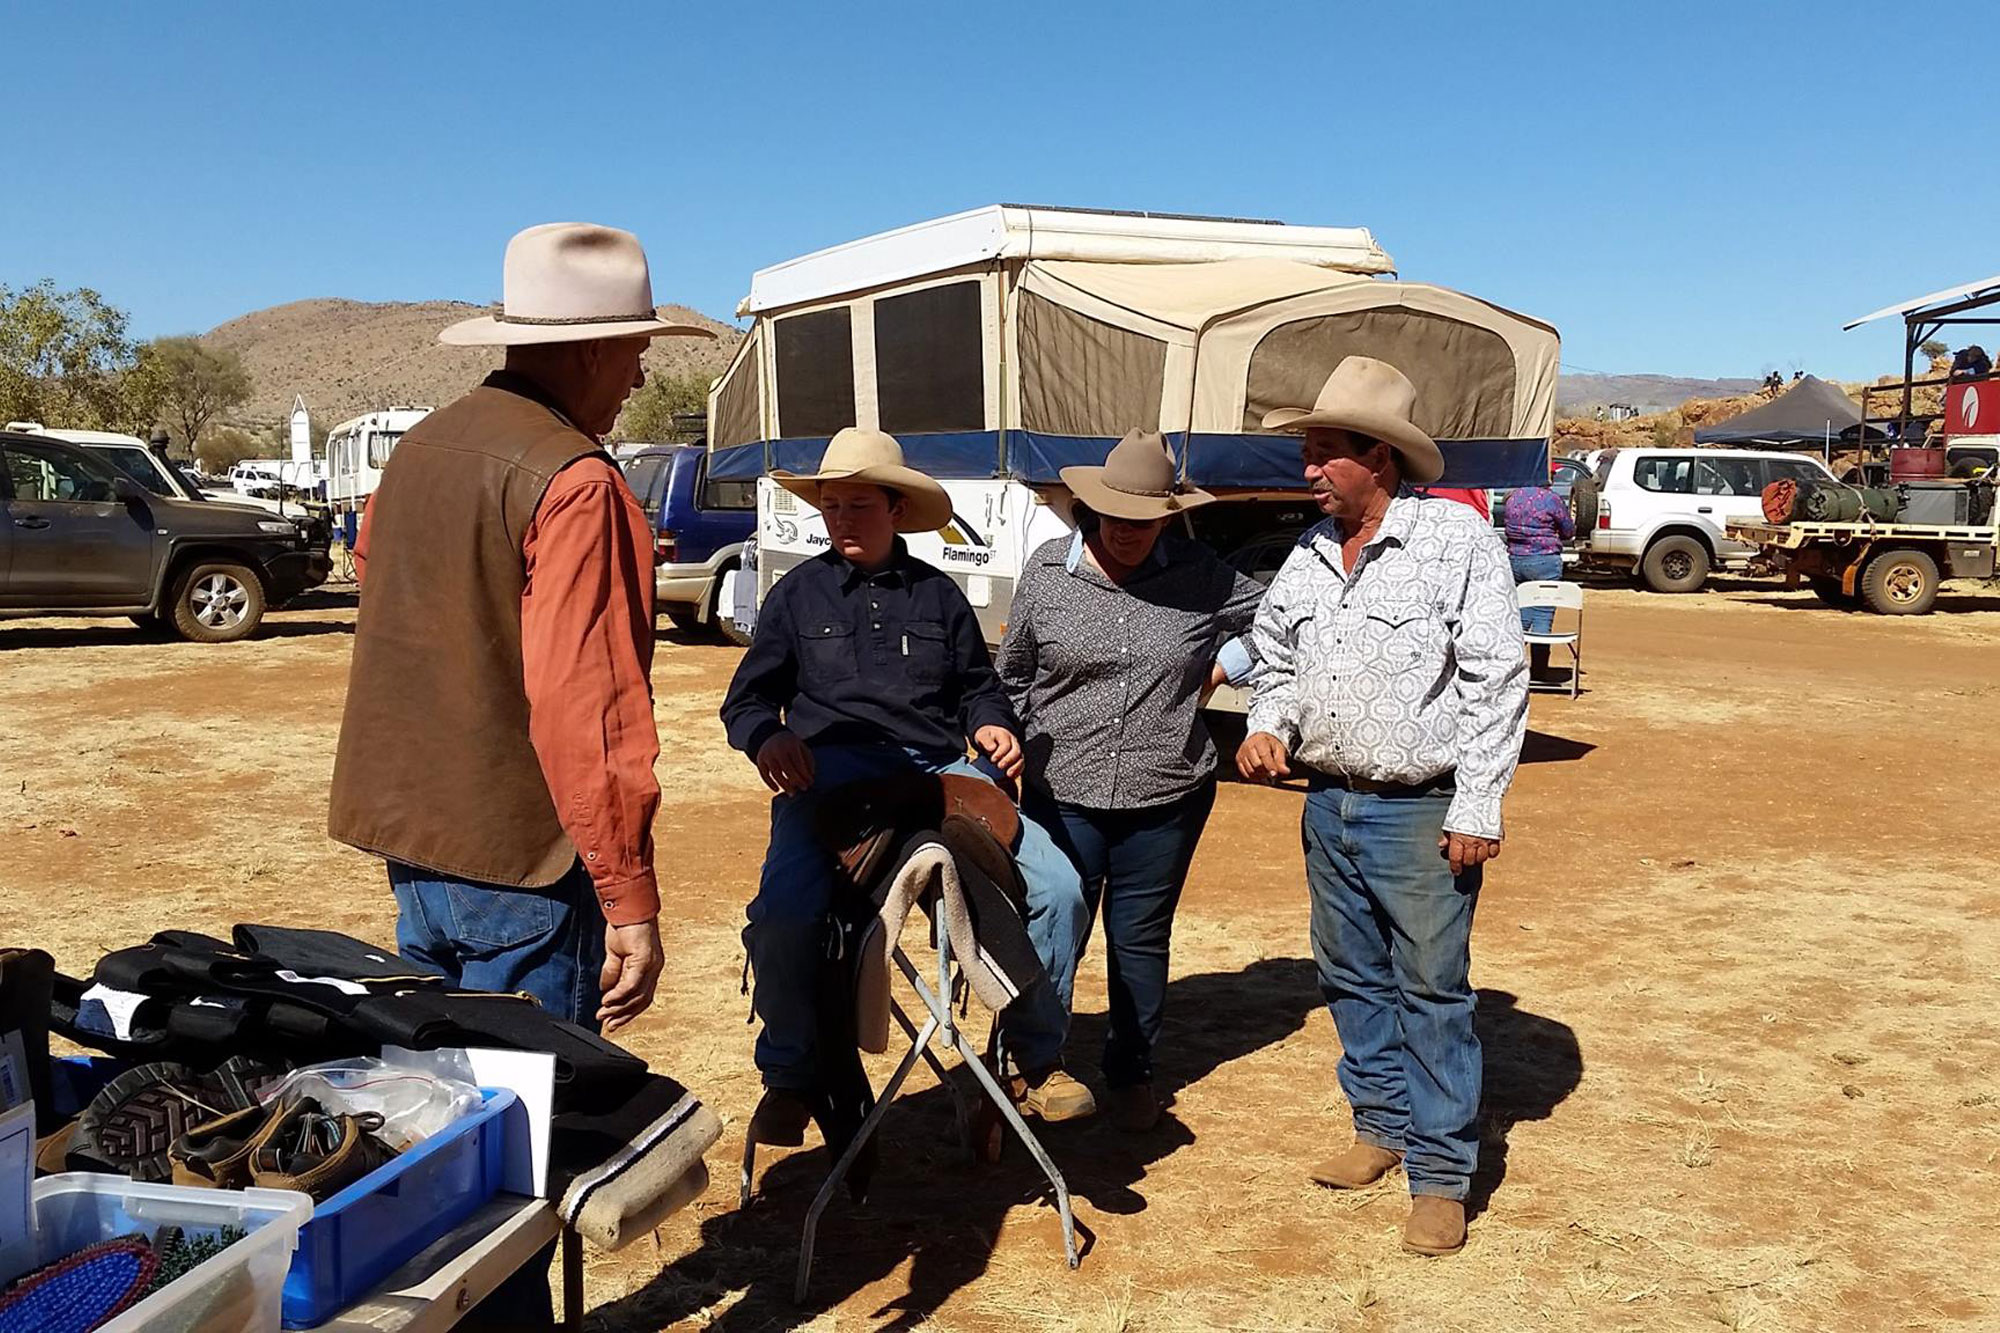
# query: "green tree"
(194, 382)
(1935, 348)
(225, 447)
(649, 414)
(63, 357)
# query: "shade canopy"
(1809, 412)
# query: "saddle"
(861, 823)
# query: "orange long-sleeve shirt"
(586, 658)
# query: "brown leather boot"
(780, 1119)
(1436, 1226)
(1357, 1167)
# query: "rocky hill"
(347, 357)
(1577, 393)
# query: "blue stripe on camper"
(1250, 462)
(1271, 462)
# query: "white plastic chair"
(1558, 596)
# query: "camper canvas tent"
(1810, 413)
(1012, 342)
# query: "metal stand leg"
(939, 1024)
(749, 1168)
(572, 1276)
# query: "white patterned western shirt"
(1405, 668)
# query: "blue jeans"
(1538, 569)
(491, 937)
(1136, 862)
(787, 924)
(1391, 934)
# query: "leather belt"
(1443, 784)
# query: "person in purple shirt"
(1538, 523)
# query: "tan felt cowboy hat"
(1372, 398)
(872, 456)
(568, 282)
(1137, 482)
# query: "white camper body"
(357, 450)
(1004, 344)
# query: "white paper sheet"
(17, 1205)
(531, 1076)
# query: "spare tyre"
(1583, 504)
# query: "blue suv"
(699, 527)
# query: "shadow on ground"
(929, 1205)
(1539, 747)
(1532, 1065)
(112, 633)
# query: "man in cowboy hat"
(1390, 670)
(867, 662)
(498, 744)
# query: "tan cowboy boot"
(1357, 1167)
(1436, 1226)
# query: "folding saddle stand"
(937, 1027)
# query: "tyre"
(1828, 591)
(217, 602)
(1675, 564)
(1583, 505)
(1900, 583)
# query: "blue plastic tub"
(380, 1222)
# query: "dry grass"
(1738, 973)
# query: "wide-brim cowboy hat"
(1137, 482)
(1371, 398)
(570, 282)
(876, 458)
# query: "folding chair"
(1558, 596)
(938, 1026)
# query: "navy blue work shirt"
(842, 656)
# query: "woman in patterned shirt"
(1116, 636)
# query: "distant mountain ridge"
(1577, 394)
(348, 357)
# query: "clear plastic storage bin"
(237, 1291)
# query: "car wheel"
(1828, 591)
(1900, 583)
(218, 602)
(1675, 564)
(1583, 505)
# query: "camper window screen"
(928, 360)
(815, 373)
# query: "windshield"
(192, 486)
(140, 467)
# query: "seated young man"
(868, 662)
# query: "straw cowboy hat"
(872, 456)
(1372, 398)
(570, 282)
(1137, 482)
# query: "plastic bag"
(416, 1097)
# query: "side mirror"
(127, 491)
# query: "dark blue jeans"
(1135, 862)
(1392, 934)
(1537, 569)
(547, 942)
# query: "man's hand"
(1261, 758)
(1003, 747)
(1464, 851)
(632, 961)
(785, 763)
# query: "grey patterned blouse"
(1108, 678)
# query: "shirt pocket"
(926, 652)
(1400, 633)
(826, 651)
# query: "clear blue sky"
(1689, 188)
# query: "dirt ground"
(1738, 972)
